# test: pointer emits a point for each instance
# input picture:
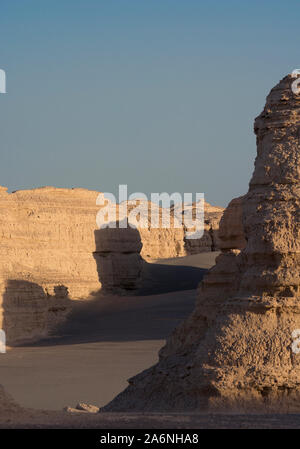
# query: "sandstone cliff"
(46, 254)
(210, 240)
(235, 351)
(166, 242)
(51, 252)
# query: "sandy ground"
(104, 341)
(51, 420)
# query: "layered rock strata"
(46, 257)
(237, 349)
(118, 259)
(169, 238)
(210, 240)
(49, 255)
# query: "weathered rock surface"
(46, 257)
(81, 407)
(210, 240)
(87, 407)
(235, 351)
(47, 237)
(28, 312)
(51, 253)
(231, 233)
(118, 259)
(166, 242)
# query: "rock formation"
(47, 237)
(118, 258)
(210, 240)
(235, 351)
(166, 242)
(81, 407)
(49, 255)
(46, 257)
(161, 242)
(231, 233)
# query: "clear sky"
(157, 94)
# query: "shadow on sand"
(165, 295)
(161, 278)
(120, 319)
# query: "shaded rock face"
(234, 352)
(118, 259)
(27, 313)
(231, 233)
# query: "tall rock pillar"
(236, 351)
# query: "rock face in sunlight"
(46, 256)
(165, 243)
(210, 240)
(236, 350)
(47, 237)
(49, 255)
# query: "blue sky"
(157, 94)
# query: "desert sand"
(230, 361)
(104, 341)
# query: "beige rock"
(235, 351)
(210, 240)
(46, 257)
(83, 408)
(87, 407)
(51, 252)
(118, 258)
(167, 242)
(231, 233)
(47, 237)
